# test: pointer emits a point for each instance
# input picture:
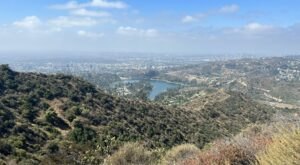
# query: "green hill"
(61, 119)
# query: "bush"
(241, 149)
(131, 153)
(52, 148)
(5, 149)
(29, 114)
(2, 162)
(51, 117)
(17, 141)
(82, 134)
(285, 149)
(180, 153)
(222, 153)
(72, 113)
(6, 121)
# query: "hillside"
(273, 81)
(61, 119)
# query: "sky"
(157, 26)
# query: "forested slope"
(63, 119)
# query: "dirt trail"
(280, 105)
(199, 103)
(55, 105)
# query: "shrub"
(2, 162)
(130, 153)
(285, 149)
(222, 154)
(5, 149)
(17, 141)
(180, 153)
(81, 133)
(72, 113)
(52, 148)
(51, 117)
(6, 121)
(29, 114)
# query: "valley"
(190, 104)
(160, 82)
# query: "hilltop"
(62, 119)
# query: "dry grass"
(178, 154)
(277, 143)
(240, 149)
(285, 149)
(222, 154)
(131, 154)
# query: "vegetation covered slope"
(265, 144)
(284, 149)
(62, 119)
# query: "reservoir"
(160, 87)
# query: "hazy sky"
(175, 26)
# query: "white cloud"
(89, 13)
(55, 29)
(223, 10)
(93, 3)
(281, 40)
(66, 6)
(252, 30)
(189, 19)
(30, 22)
(131, 31)
(108, 4)
(229, 9)
(257, 27)
(73, 22)
(83, 33)
(194, 18)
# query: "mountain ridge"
(43, 114)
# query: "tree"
(51, 117)
(151, 73)
(29, 114)
(5, 148)
(82, 134)
(53, 148)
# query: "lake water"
(160, 87)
